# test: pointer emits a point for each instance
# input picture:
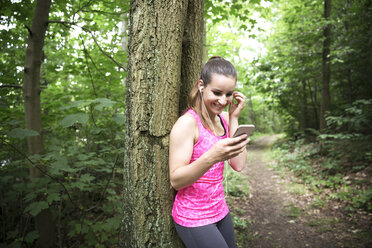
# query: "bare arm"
(238, 162)
(181, 146)
(180, 150)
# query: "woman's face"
(218, 93)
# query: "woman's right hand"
(226, 149)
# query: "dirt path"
(281, 213)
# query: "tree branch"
(106, 13)
(82, 7)
(16, 86)
(29, 30)
(88, 67)
(94, 38)
(11, 86)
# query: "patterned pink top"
(203, 202)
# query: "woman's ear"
(200, 83)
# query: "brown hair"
(215, 65)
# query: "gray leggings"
(217, 235)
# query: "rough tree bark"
(192, 49)
(31, 90)
(159, 46)
(326, 66)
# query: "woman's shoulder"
(188, 119)
(185, 122)
(185, 127)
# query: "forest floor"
(279, 212)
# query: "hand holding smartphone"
(244, 129)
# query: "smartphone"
(244, 129)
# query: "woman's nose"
(222, 100)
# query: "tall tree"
(326, 65)
(305, 119)
(159, 45)
(31, 90)
(192, 44)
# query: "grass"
(296, 188)
(235, 184)
(329, 222)
(319, 203)
(290, 210)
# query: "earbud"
(200, 89)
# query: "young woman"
(200, 142)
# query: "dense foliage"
(291, 72)
(82, 117)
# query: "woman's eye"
(228, 95)
(217, 93)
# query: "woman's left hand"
(236, 107)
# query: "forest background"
(305, 67)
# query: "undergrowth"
(336, 170)
(337, 163)
(81, 184)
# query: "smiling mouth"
(220, 107)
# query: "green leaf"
(21, 133)
(102, 103)
(36, 207)
(119, 119)
(77, 104)
(30, 196)
(60, 164)
(97, 130)
(255, 1)
(83, 157)
(87, 178)
(12, 234)
(53, 197)
(14, 122)
(112, 224)
(31, 236)
(243, 26)
(70, 120)
(81, 186)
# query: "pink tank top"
(203, 202)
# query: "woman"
(199, 144)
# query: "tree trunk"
(314, 105)
(349, 92)
(31, 90)
(155, 58)
(192, 49)
(305, 119)
(326, 66)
